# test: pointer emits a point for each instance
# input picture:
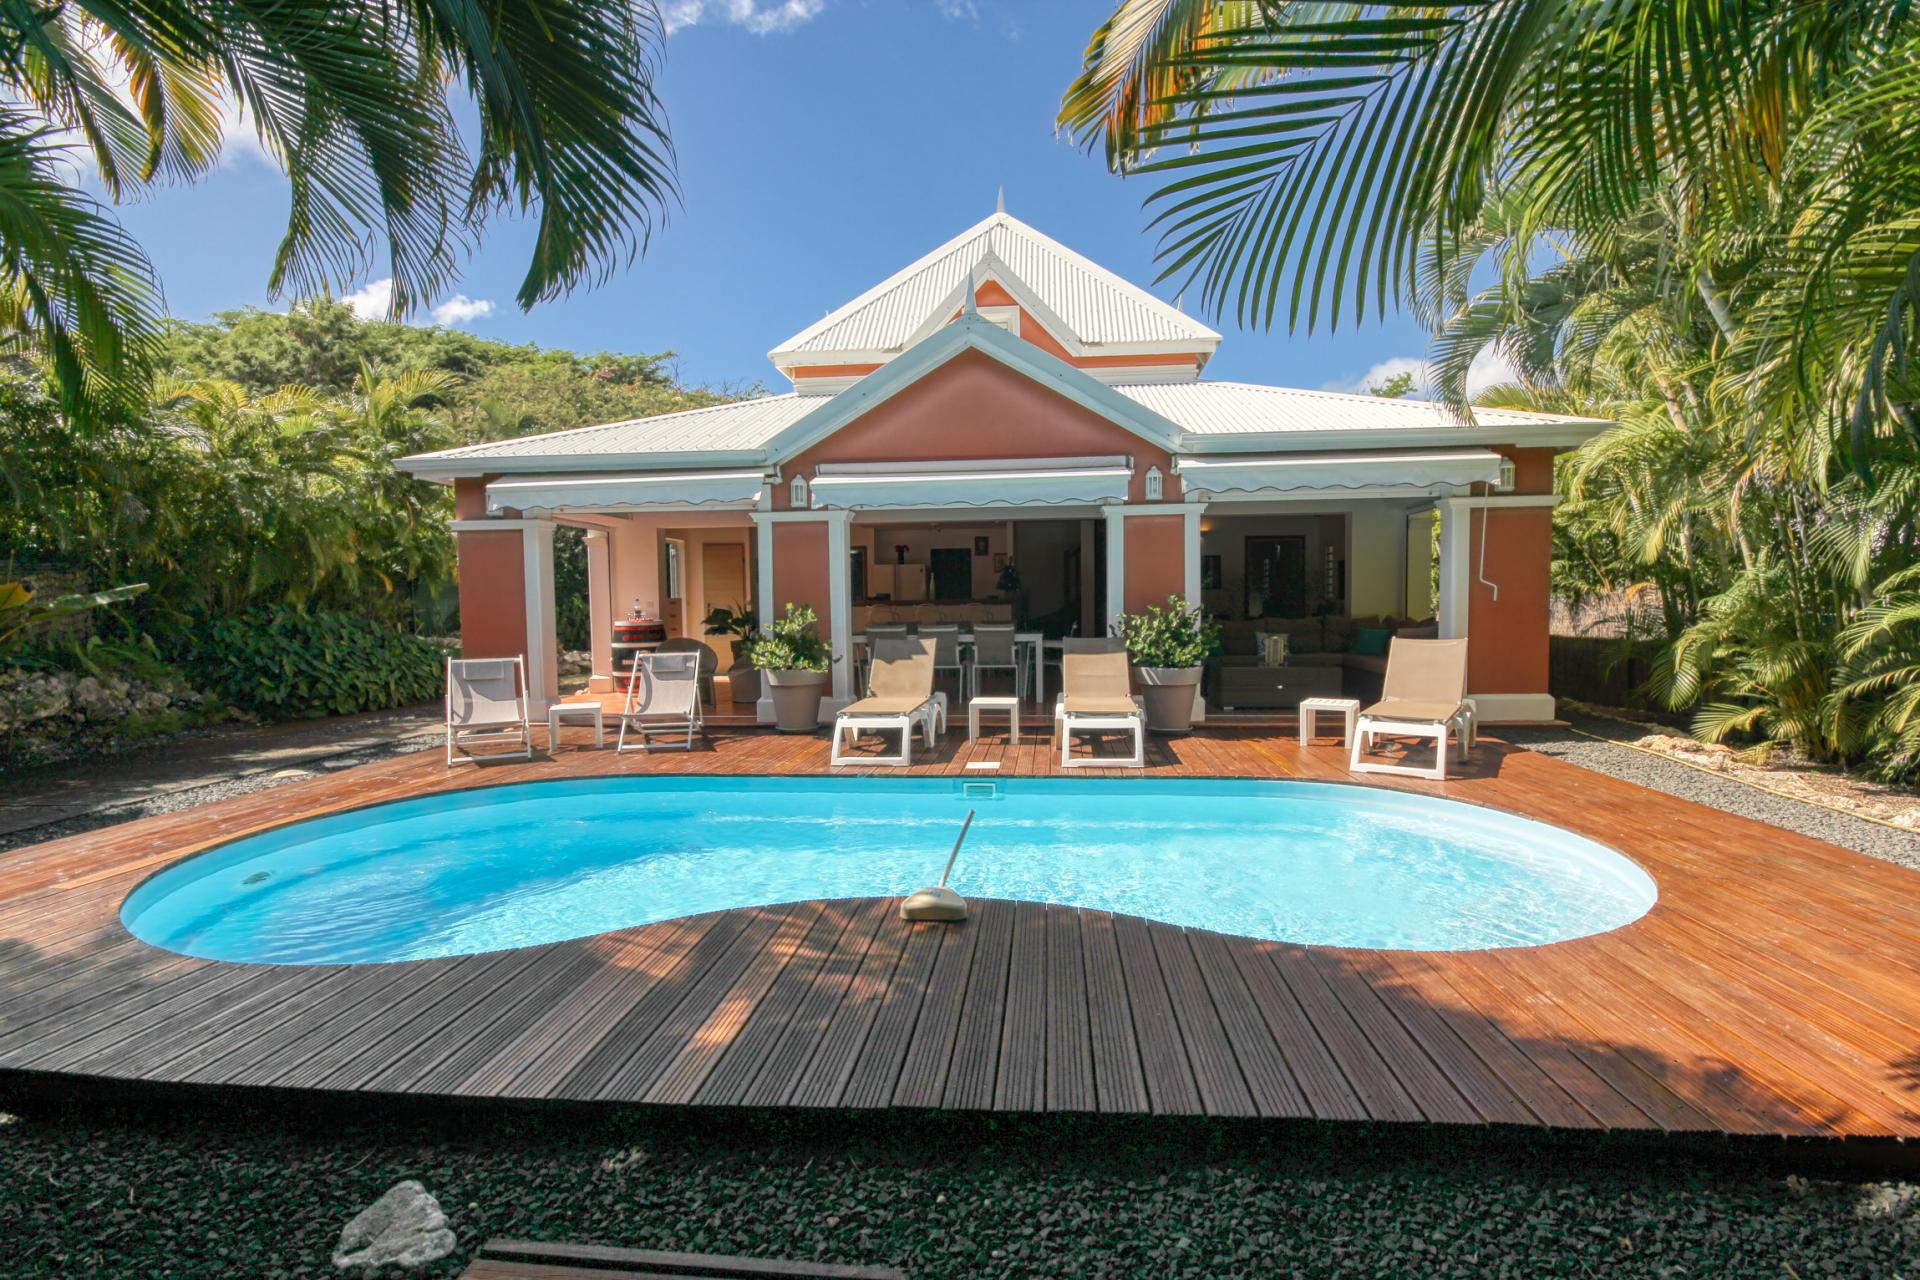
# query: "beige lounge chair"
(1097, 697)
(663, 700)
(487, 702)
(1424, 696)
(899, 700)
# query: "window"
(1007, 318)
(673, 571)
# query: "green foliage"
(739, 622)
(1177, 635)
(21, 613)
(291, 663)
(1394, 387)
(790, 642)
(356, 102)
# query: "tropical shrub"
(1178, 635)
(289, 663)
(790, 642)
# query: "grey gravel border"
(1725, 794)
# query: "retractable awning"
(654, 491)
(1018, 482)
(1295, 473)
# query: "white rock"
(403, 1228)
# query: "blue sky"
(823, 144)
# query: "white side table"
(1310, 709)
(994, 702)
(580, 712)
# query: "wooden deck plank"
(1774, 989)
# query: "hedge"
(287, 663)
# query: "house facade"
(1004, 430)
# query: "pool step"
(542, 1260)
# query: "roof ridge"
(459, 450)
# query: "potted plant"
(743, 625)
(794, 659)
(1168, 648)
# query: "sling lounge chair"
(487, 703)
(899, 700)
(1097, 698)
(1424, 696)
(663, 701)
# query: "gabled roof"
(1098, 309)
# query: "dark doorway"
(952, 573)
(1277, 577)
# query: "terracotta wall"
(800, 570)
(470, 497)
(1508, 649)
(493, 602)
(1156, 564)
(976, 407)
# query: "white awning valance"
(1015, 482)
(1295, 473)
(653, 491)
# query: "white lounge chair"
(1097, 697)
(663, 700)
(900, 699)
(1424, 696)
(487, 703)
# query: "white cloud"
(1491, 368)
(372, 301)
(758, 16)
(960, 10)
(460, 308)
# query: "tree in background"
(355, 102)
(1700, 221)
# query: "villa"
(1004, 404)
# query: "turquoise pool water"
(539, 862)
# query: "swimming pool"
(512, 866)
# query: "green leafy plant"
(21, 613)
(289, 663)
(791, 642)
(739, 622)
(1176, 635)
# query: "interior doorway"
(952, 573)
(1276, 577)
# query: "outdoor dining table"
(1032, 642)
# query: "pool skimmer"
(939, 902)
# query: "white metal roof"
(1097, 306)
(737, 427)
(1248, 408)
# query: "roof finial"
(1000, 200)
(966, 307)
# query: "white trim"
(1280, 475)
(738, 490)
(1513, 708)
(1456, 528)
(492, 526)
(840, 600)
(1510, 500)
(1116, 565)
(971, 333)
(536, 549)
(1009, 482)
(1528, 435)
(763, 569)
(1190, 547)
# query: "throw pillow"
(1370, 642)
(1273, 649)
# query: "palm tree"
(357, 102)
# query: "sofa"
(1320, 662)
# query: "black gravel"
(225, 789)
(261, 1191)
(1726, 794)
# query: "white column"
(543, 673)
(600, 610)
(1456, 540)
(1116, 566)
(1191, 560)
(763, 573)
(840, 592)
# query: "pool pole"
(939, 902)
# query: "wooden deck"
(1775, 988)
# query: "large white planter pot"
(796, 699)
(1168, 693)
(745, 682)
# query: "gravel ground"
(243, 784)
(1843, 829)
(155, 1190)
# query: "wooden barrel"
(639, 631)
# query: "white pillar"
(600, 610)
(763, 573)
(1190, 530)
(543, 672)
(1116, 567)
(840, 592)
(1456, 540)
